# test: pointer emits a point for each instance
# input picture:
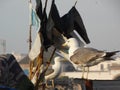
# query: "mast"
(30, 37)
(30, 31)
(30, 41)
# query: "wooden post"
(43, 73)
(89, 84)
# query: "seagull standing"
(86, 56)
(56, 69)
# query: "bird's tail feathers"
(110, 54)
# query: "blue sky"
(101, 19)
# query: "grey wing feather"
(83, 55)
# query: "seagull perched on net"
(56, 69)
(86, 56)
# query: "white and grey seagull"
(86, 56)
(56, 69)
(52, 72)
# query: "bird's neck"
(57, 65)
(72, 49)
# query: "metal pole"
(30, 45)
(30, 30)
(30, 37)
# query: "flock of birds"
(78, 54)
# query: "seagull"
(56, 69)
(86, 56)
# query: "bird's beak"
(64, 44)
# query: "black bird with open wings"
(64, 25)
(69, 22)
